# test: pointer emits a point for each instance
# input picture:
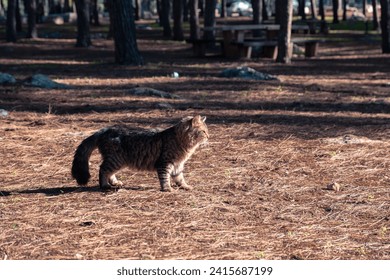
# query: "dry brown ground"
(260, 186)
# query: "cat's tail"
(80, 165)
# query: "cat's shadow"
(66, 190)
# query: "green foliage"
(352, 26)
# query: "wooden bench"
(311, 45)
(270, 48)
(199, 46)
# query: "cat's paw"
(117, 183)
(167, 189)
(186, 187)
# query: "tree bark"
(165, 12)
(11, 23)
(18, 18)
(313, 9)
(178, 34)
(194, 20)
(257, 6)
(345, 3)
(83, 31)
(265, 10)
(52, 8)
(223, 9)
(335, 5)
(94, 18)
(67, 7)
(110, 34)
(122, 19)
(209, 19)
(137, 12)
(284, 40)
(31, 7)
(201, 8)
(185, 11)
(375, 15)
(321, 9)
(364, 7)
(385, 25)
(301, 9)
(278, 5)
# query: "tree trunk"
(209, 19)
(223, 9)
(194, 20)
(345, 3)
(11, 23)
(284, 40)
(385, 24)
(94, 18)
(313, 9)
(137, 12)
(18, 18)
(122, 19)
(31, 8)
(110, 34)
(278, 5)
(165, 11)
(185, 10)
(40, 12)
(159, 12)
(265, 10)
(364, 7)
(257, 6)
(201, 8)
(52, 8)
(335, 5)
(301, 9)
(321, 9)
(375, 15)
(178, 34)
(67, 7)
(83, 32)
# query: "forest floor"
(262, 186)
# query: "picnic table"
(236, 43)
(237, 40)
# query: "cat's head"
(193, 131)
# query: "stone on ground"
(43, 81)
(245, 72)
(6, 79)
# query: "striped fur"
(165, 152)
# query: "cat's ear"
(196, 120)
(186, 119)
(204, 119)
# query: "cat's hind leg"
(107, 171)
(114, 181)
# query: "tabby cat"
(165, 151)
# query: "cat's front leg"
(181, 182)
(164, 175)
(114, 181)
